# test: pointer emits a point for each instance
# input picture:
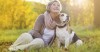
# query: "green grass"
(11, 35)
(91, 40)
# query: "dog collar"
(61, 26)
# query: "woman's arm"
(35, 32)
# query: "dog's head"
(64, 18)
(65, 22)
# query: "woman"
(43, 33)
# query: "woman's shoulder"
(41, 16)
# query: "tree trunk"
(97, 13)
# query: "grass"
(91, 40)
(10, 35)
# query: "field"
(91, 40)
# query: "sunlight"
(79, 3)
(71, 2)
(40, 1)
(33, 0)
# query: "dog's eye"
(62, 14)
(67, 16)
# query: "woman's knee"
(37, 43)
(26, 36)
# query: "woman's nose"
(57, 6)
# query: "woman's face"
(55, 7)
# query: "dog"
(65, 35)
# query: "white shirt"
(48, 34)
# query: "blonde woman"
(43, 33)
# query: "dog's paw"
(66, 49)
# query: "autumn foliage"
(18, 14)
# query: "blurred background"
(18, 16)
(21, 14)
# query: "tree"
(18, 14)
(97, 13)
(81, 13)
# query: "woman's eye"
(58, 5)
(53, 4)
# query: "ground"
(90, 37)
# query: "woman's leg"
(36, 43)
(23, 39)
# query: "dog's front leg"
(66, 43)
(59, 44)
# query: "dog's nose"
(64, 21)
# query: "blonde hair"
(50, 3)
